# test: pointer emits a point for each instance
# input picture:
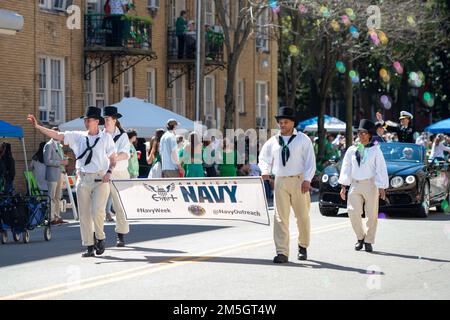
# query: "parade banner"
(237, 198)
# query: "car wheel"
(424, 209)
(328, 212)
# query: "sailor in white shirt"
(122, 148)
(364, 170)
(438, 148)
(289, 155)
(95, 154)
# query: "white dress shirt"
(117, 6)
(437, 151)
(373, 166)
(121, 145)
(101, 152)
(301, 161)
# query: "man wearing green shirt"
(180, 30)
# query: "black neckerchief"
(119, 135)
(88, 149)
(358, 155)
(285, 153)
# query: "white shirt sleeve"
(265, 159)
(72, 137)
(123, 145)
(444, 147)
(309, 159)
(381, 176)
(345, 176)
(109, 145)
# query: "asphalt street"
(193, 259)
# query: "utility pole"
(200, 59)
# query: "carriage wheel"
(4, 237)
(26, 236)
(47, 234)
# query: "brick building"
(55, 72)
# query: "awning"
(10, 22)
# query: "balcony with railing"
(123, 40)
(213, 47)
(123, 32)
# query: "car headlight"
(334, 181)
(396, 182)
(325, 178)
(410, 179)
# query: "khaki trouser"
(171, 173)
(288, 193)
(92, 197)
(363, 193)
(121, 223)
(54, 192)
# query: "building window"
(240, 96)
(95, 89)
(175, 95)
(210, 13)
(262, 100)
(127, 83)
(51, 90)
(95, 6)
(151, 86)
(175, 8)
(262, 31)
(59, 5)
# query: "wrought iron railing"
(213, 47)
(120, 31)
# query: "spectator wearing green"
(228, 166)
(180, 30)
(133, 163)
(191, 157)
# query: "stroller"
(23, 213)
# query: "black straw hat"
(111, 111)
(367, 125)
(285, 113)
(94, 113)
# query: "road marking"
(60, 289)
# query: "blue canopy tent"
(439, 127)
(301, 125)
(9, 131)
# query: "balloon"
(411, 20)
(414, 76)
(398, 67)
(293, 49)
(345, 20)
(383, 73)
(384, 99)
(276, 10)
(387, 105)
(355, 79)
(335, 25)
(426, 96)
(352, 74)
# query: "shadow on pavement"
(233, 260)
(433, 216)
(407, 256)
(66, 240)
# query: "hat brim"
(100, 119)
(405, 117)
(284, 117)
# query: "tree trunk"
(230, 101)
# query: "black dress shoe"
(100, 247)
(280, 258)
(359, 245)
(302, 253)
(120, 241)
(368, 247)
(89, 252)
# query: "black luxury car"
(415, 184)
